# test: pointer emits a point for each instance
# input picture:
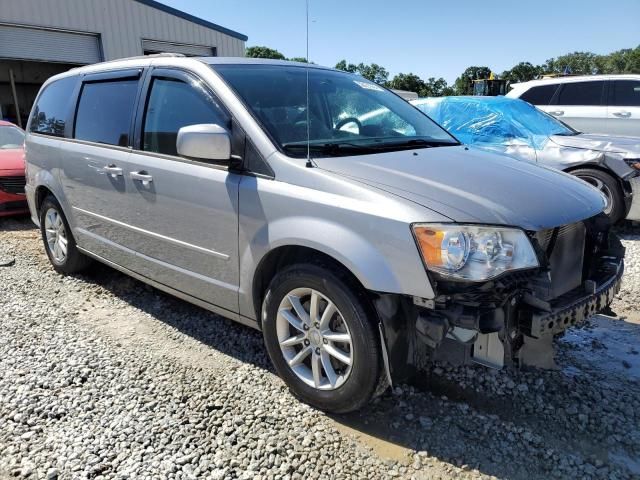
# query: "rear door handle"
(557, 113)
(112, 170)
(142, 176)
(622, 114)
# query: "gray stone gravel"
(104, 377)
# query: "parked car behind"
(608, 104)
(360, 256)
(515, 127)
(12, 196)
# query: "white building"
(39, 38)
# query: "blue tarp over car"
(492, 120)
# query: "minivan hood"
(628, 146)
(471, 186)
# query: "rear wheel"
(609, 186)
(58, 241)
(320, 338)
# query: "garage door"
(26, 43)
(157, 46)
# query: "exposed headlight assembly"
(472, 252)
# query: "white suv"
(607, 104)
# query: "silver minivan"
(362, 249)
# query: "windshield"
(348, 115)
(11, 137)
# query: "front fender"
(365, 261)
(393, 267)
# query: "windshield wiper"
(418, 143)
(337, 148)
(329, 148)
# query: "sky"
(428, 38)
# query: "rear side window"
(581, 93)
(625, 93)
(541, 95)
(105, 111)
(174, 104)
(51, 112)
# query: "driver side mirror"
(206, 141)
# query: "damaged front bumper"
(506, 320)
(576, 306)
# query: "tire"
(609, 185)
(52, 218)
(353, 385)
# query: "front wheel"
(609, 186)
(321, 339)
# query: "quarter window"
(174, 104)
(540, 95)
(50, 113)
(581, 93)
(625, 93)
(105, 111)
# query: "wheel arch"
(41, 192)
(285, 255)
(45, 183)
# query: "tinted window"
(539, 95)
(50, 113)
(581, 93)
(174, 104)
(105, 111)
(625, 93)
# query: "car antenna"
(309, 163)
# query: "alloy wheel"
(314, 339)
(56, 235)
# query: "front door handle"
(622, 114)
(112, 170)
(557, 113)
(142, 176)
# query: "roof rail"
(163, 54)
(138, 57)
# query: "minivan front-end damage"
(510, 319)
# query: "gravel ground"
(104, 377)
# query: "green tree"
(577, 63)
(626, 60)
(346, 67)
(431, 88)
(264, 52)
(522, 72)
(436, 88)
(298, 59)
(373, 72)
(408, 81)
(464, 83)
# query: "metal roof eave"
(192, 18)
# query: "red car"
(12, 197)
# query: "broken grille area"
(565, 248)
